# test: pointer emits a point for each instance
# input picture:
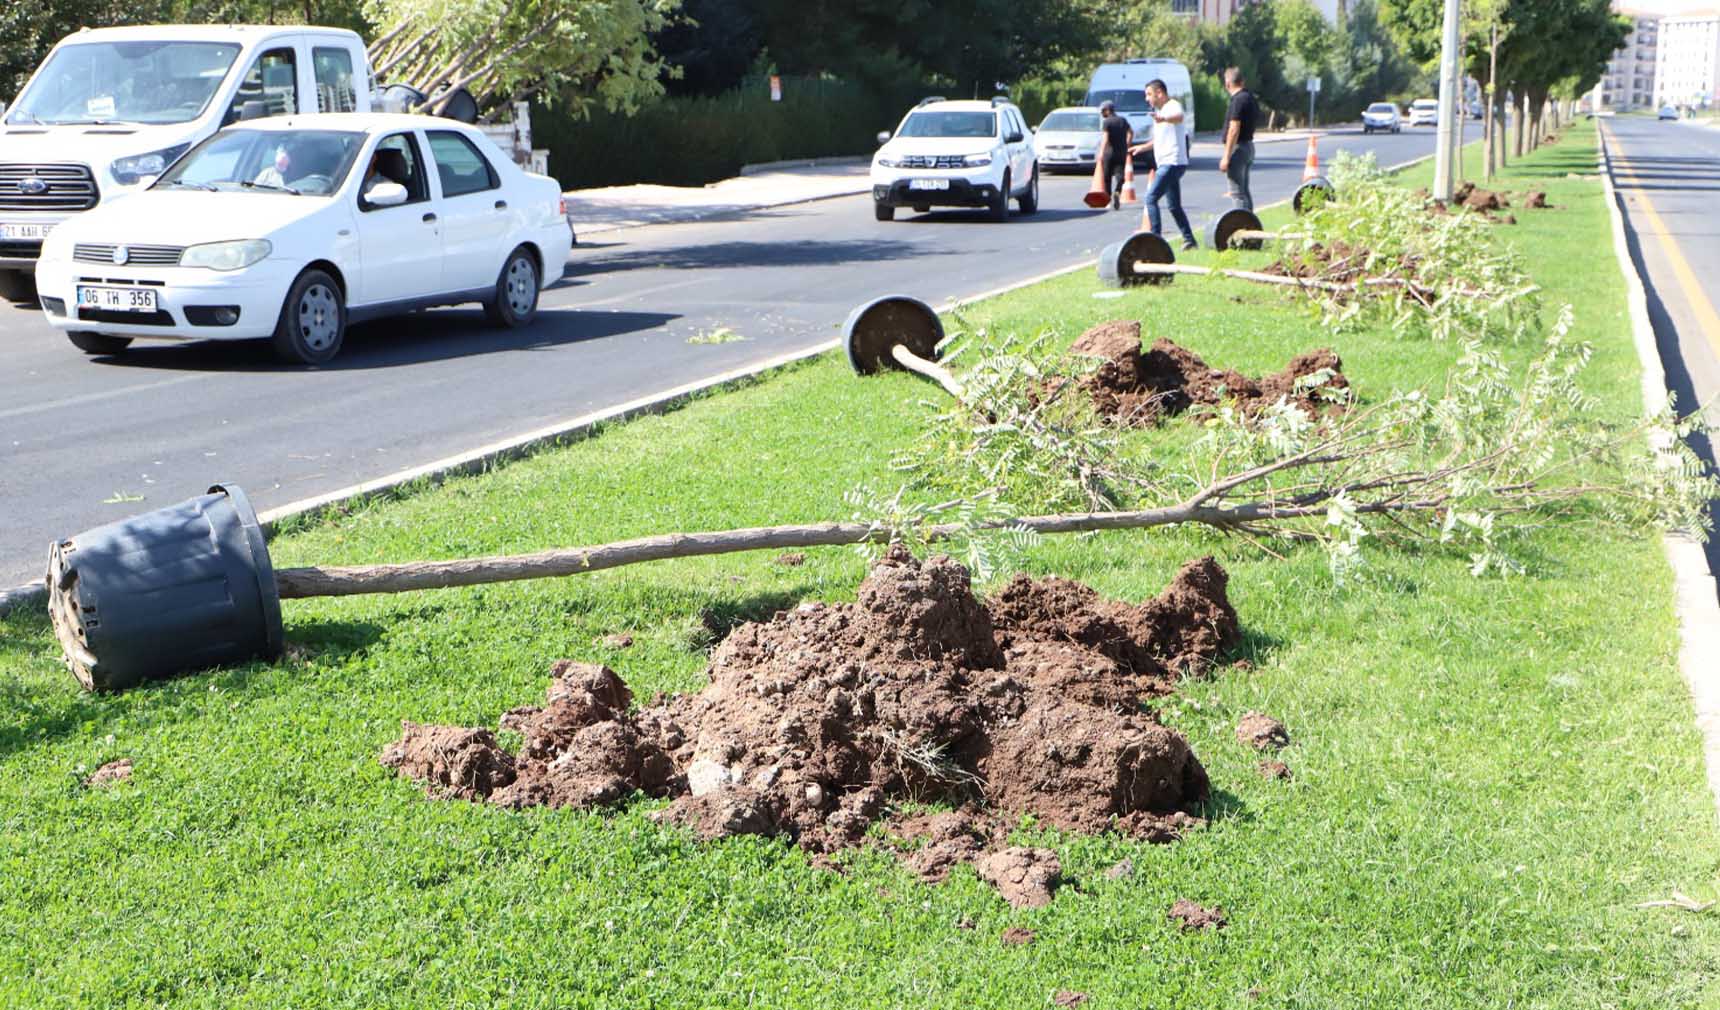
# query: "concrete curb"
(1694, 596)
(835, 159)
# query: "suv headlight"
(889, 161)
(127, 171)
(226, 255)
(976, 160)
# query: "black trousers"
(1114, 171)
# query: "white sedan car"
(1068, 139)
(292, 227)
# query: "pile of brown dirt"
(1476, 198)
(1141, 388)
(1190, 915)
(814, 722)
(1537, 200)
(1339, 262)
(1262, 732)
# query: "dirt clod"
(618, 641)
(791, 559)
(1191, 915)
(816, 721)
(1122, 869)
(1262, 732)
(1015, 936)
(1537, 200)
(110, 774)
(1274, 771)
(1137, 387)
(1068, 997)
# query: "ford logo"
(120, 255)
(33, 185)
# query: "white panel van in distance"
(1125, 85)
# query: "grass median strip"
(1488, 775)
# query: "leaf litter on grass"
(816, 723)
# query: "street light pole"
(1443, 186)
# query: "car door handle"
(501, 205)
(428, 218)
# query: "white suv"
(957, 154)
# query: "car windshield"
(1382, 107)
(1071, 122)
(1132, 100)
(950, 124)
(1425, 103)
(299, 162)
(125, 82)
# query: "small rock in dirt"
(1015, 936)
(1068, 997)
(791, 559)
(620, 640)
(1024, 876)
(1122, 869)
(1274, 770)
(1262, 732)
(112, 773)
(1191, 915)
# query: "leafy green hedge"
(691, 141)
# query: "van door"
(335, 80)
(270, 86)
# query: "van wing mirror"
(883, 137)
(1015, 138)
(386, 194)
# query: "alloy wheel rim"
(319, 317)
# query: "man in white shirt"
(1172, 155)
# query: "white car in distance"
(1424, 112)
(292, 227)
(1381, 116)
(1068, 138)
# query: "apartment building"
(1629, 79)
(1687, 56)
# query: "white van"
(111, 108)
(1125, 85)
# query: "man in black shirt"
(1118, 136)
(1238, 138)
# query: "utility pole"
(1449, 84)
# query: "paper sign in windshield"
(101, 107)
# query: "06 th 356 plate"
(116, 299)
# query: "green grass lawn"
(1489, 775)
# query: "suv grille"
(136, 255)
(25, 186)
(933, 161)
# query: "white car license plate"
(117, 299)
(15, 232)
(928, 184)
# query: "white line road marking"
(106, 394)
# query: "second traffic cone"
(1312, 170)
(1129, 181)
(1096, 196)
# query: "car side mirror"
(386, 194)
(1014, 138)
(883, 137)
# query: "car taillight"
(561, 206)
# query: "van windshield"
(950, 124)
(1131, 100)
(125, 82)
(1382, 107)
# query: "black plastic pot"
(181, 588)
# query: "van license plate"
(117, 299)
(928, 184)
(15, 232)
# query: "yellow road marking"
(1707, 320)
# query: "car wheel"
(999, 206)
(313, 320)
(883, 211)
(516, 299)
(1030, 197)
(97, 343)
(18, 286)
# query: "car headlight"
(976, 160)
(886, 162)
(127, 171)
(226, 255)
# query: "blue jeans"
(1168, 184)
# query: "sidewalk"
(612, 208)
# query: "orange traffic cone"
(1096, 197)
(1129, 181)
(1312, 171)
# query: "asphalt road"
(82, 438)
(1668, 176)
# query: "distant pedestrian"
(1238, 155)
(1168, 148)
(1114, 149)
